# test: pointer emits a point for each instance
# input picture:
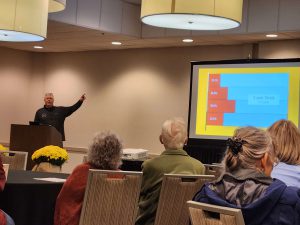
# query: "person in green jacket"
(173, 160)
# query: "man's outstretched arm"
(73, 108)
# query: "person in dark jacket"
(246, 183)
(56, 115)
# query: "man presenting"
(56, 115)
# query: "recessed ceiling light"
(38, 47)
(272, 35)
(187, 40)
(116, 43)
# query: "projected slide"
(243, 99)
(234, 97)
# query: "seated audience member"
(4, 218)
(104, 153)
(173, 160)
(287, 149)
(247, 185)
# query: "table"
(132, 164)
(29, 201)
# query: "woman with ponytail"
(246, 183)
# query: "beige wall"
(15, 83)
(129, 91)
(280, 49)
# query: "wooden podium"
(29, 138)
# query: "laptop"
(34, 123)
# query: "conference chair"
(176, 190)
(111, 198)
(84, 159)
(206, 214)
(17, 160)
(214, 169)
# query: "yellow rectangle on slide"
(202, 99)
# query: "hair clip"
(235, 145)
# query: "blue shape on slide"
(242, 93)
(246, 119)
(261, 98)
(242, 106)
(254, 80)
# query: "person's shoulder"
(288, 167)
(149, 162)
(40, 110)
(205, 193)
(84, 167)
(290, 194)
(196, 162)
(291, 198)
(289, 174)
(193, 160)
(152, 163)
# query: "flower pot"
(47, 167)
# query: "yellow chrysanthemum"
(50, 153)
(2, 148)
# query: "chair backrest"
(206, 214)
(17, 160)
(111, 198)
(214, 169)
(84, 159)
(176, 190)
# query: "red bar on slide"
(221, 106)
(217, 93)
(214, 80)
(214, 119)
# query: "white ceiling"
(64, 38)
(78, 29)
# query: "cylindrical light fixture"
(23, 20)
(56, 5)
(192, 14)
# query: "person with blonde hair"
(173, 160)
(246, 183)
(287, 138)
(104, 153)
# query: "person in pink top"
(5, 219)
(104, 153)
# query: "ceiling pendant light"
(192, 14)
(56, 5)
(26, 21)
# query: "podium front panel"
(29, 138)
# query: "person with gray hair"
(56, 115)
(172, 160)
(104, 153)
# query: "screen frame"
(225, 62)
